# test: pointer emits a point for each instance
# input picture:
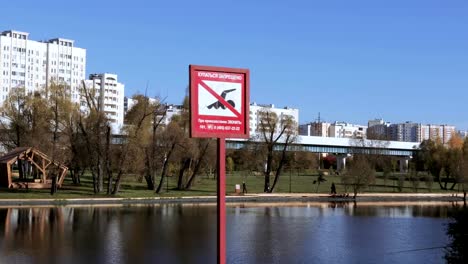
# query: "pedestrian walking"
(333, 188)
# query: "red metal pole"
(221, 199)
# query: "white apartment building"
(130, 102)
(171, 109)
(441, 132)
(109, 94)
(317, 129)
(375, 122)
(463, 133)
(257, 109)
(409, 131)
(346, 130)
(36, 64)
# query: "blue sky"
(350, 60)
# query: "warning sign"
(219, 102)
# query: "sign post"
(219, 108)
(221, 201)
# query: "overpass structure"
(344, 147)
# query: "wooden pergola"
(40, 163)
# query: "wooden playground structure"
(36, 172)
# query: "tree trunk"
(95, 189)
(108, 165)
(99, 176)
(446, 182)
(197, 167)
(194, 174)
(453, 186)
(280, 167)
(80, 175)
(109, 178)
(76, 174)
(185, 165)
(149, 182)
(440, 184)
(164, 170)
(72, 175)
(277, 175)
(149, 173)
(266, 187)
(117, 183)
(151, 157)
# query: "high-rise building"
(317, 129)
(166, 112)
(449, 131)
(375, 122)
(415, 132)
(378, 129)
(408, 132)
(130, 102)
(347, 130)
(34, 65)
(256, 111)
(463, 133)
(171, 110)
(437, 132)
(109, 96)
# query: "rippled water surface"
(280, 233)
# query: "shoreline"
(248, 198)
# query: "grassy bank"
(293, 182)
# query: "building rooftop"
(6, 32)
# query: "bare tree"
(200, 147)
(170, 139)
(14, 127)
(142, 149)
(462, 175)
(93, 125)
(359, 174)
(64, 129)
(26, 122)
(275, 132)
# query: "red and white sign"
(219, 102)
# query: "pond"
(256, 233)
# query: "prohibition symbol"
(219, 104)
(219, 98)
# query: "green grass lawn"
(206, 185)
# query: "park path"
(247, 198)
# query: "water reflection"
(35, 230)
(457, 230)
(107, 235)
(298, 233)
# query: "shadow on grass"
(133, 187)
